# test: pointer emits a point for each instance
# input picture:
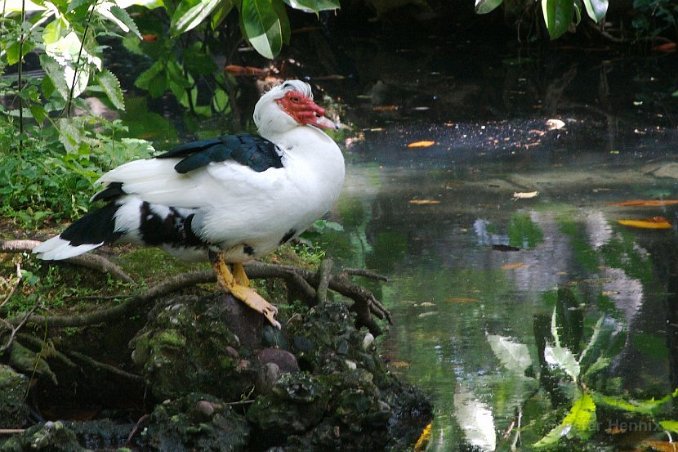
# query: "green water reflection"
(475, 273)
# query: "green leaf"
(69, 135)
(579, 423)
(38, 112)
(111, 86)
(262, 26)
(54, 31)
(647, 407)
(191, 13)
(669, 425)
(118, 16)
(314, 6)
(220, 13)
(144, 79)
(596, 9)
(514, 356)
(557, 16)
(486, 6)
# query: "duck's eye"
(295, 99)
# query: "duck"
(229, 200)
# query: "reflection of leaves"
(580, 422)
(562, 358)
(523, 232)
(475, 419)
(647, 407)
(568, 320)
(513, 355)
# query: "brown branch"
(303, 280)
(105, 315)
(324, 275)
(93, 261)
(366, 273)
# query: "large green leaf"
(486, 6)
(557, 16)
(579, 423)
(596, 9)
(314, 6)
(111, 87)
(262, 26)
(191, 13)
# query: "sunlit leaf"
(562, 358)
(557, 16)
(475, 419)
(525, 195)
(421, 144)
(118, 16)
(669, 425)
(514, 356)
(191, 13)
(111, 87)
(150, 4)
(596, 9)
(647, 407)
(486, 6)
(646, 203)
(262, 26)
(647, 223)
(313, 6)
(423, 202)
(579, 423)
(423, 439)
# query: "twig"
(15, 329)
(11, 431)
(324, 275)
(107, 367)
(93, 261)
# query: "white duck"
(232, 198)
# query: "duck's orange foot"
(237, 283)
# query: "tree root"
(365, 303)
(312, 286)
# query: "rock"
(190, 344)
(194, 422)
(50, 436)
(13, 387)
(285, 360)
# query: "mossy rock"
(50, 436)
(13, 387)
(198, 344)
(194, 422)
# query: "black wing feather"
(250, 150)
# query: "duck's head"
(287, 106)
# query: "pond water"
(501, 235)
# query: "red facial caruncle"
(304, 110)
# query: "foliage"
(565, 365)
(654, 17)
(559, 15)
